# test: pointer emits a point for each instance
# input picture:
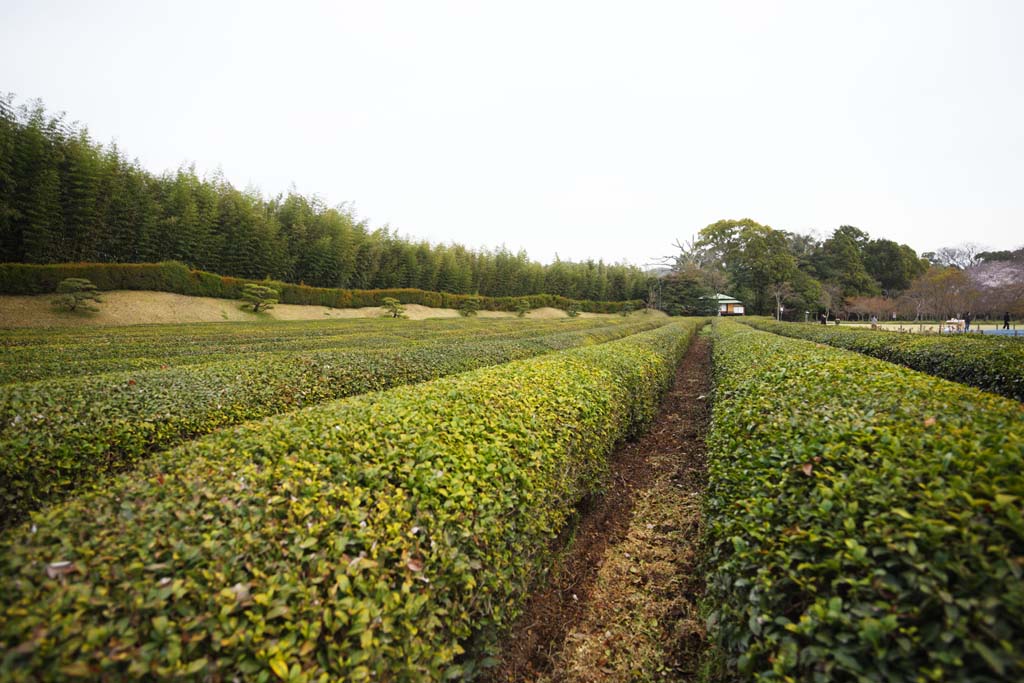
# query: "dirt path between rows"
(620, 603)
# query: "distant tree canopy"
(65, 198)
(847, 273)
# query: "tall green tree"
(756, 258)
(894, 266)
(841, 261)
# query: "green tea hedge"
(991, 363)
(864, 522)
(171, 276)
(58, 435)
(41, 354)
(386, 537)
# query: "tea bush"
(386, 537)
(864, 522)
(40, 354)
(994, 364)
(60, 434)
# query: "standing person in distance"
(1006, 320)
(967, 321)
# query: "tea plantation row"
(864, 522)
(43, 355)
(994, 364)
(386, 536)
(58, 435)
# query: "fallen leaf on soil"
(62, 568)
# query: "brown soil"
(620, 603)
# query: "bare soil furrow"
(620, 603)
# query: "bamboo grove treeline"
(66, 198)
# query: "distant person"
(824, 318)
(1006, 320)
(967, 321)
(874, 322)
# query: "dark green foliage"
(373, 537)
(469, 306)
(522, 307)
(170, 276)
(627, 308)
(393, 307)
(64, 198)
(893, 265)
(33, 354)
(61, 434)
(682, 293)
(572, 309)
(864, 522)
(768, 269)
(994, 364)
(841, 261)
(75, 293)
(757, 258)
(261, 297)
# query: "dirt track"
(620, 603)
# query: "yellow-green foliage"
(32, 354)
(75, 293)
(864, 522)
(992, 363)
(59, 434)
(376, 536)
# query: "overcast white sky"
(589, 129)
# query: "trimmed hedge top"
(58, 435)
(991, 363)
(375, 537)
(40, 354)
(864, 522)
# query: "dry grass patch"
(643, 622)
(143, 308)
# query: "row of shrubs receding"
(67, 353)
(991, 363)
(57, 435)
(864, 522)
(386, 537)
(171, 276)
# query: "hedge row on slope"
(991, 363)
(124, 348)
(865, 522)
(58, 435)
(376, 537)
(171, 276)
